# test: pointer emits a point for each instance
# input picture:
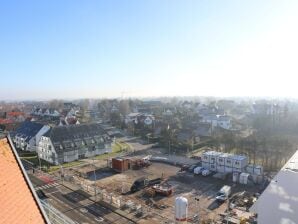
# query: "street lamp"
(197, 206)
(169, 132)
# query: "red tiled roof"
(15, 114)
(18, 204)
(6, 121)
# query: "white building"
(224, 162)
(27, 136)
(222, 121)
(68, 143)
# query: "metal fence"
(54, 215)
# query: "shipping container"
(254, 169)
(213, 157)
(120, 164)
(228, 169)
(229, 161)
(206, 165)
(220, 169)
(235, 177)
(212, 167)
(239, 161)
(222, 158)
(243, 178)
(239, 170)
(210, 156)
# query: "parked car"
(184, 168)
(198, 170)
(206, 172)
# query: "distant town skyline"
(97, 49)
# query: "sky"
(95, 49)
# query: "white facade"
(222, 121)
(223, 162)
(57, 154)
(206, 165)
(254, 169)
(22, 142)
(210, 156)
(213, 167)
(228, 169)
(46, 150)
(239, 161)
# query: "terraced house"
(68, 143)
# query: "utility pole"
(39, 161)
(169, 132)
(94, 172)
(197, 206)
(61, 174)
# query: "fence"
(54, 215)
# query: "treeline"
(270, 152)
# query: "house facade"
(222, 121)
(69, 143)
(27, 136)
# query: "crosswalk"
(47, 186)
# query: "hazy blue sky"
(70, 49)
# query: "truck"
(223, 194)
(142, 183)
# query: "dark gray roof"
(279, 202)
(74, 135)
(28, 130)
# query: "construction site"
(145, 190)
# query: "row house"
(69, 143)
(45, 112)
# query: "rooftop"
(281, 196)
(19, 204)
(28, 130)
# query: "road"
(77, 205)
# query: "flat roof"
(279, 202)
(212, 153)
(239, 157)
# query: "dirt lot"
(184, 184)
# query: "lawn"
(65, 165)
(117, 147)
